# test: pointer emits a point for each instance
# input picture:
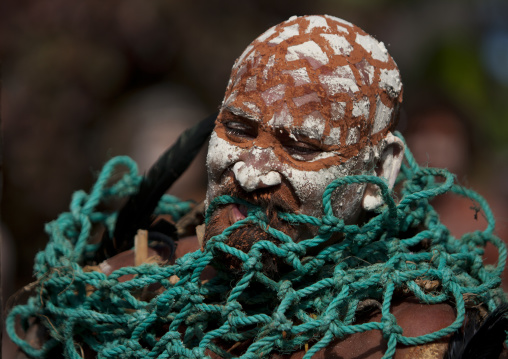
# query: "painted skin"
(262, 157)
(310, 100)
(284, 124)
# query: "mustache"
(280, 198)
(272, 201)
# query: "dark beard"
(272, 201)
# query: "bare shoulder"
(186, 245)
(414, 318)
(418, 319)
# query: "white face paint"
(260, 167)
(305, 105)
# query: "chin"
(244, 238)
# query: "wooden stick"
(140, 247)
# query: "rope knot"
(281, 323)
(286, 292)
(232, 306)
(337, 330)
(284, 288)
(252, 264)
(260, 215)
(137, 317)
(331, 224)
(198, 353)
(339, 276)
(390, 325)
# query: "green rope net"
(314, 303)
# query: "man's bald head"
(320, 75)
(311, 100)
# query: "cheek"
(309, 187)
(221, 155)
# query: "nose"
(256, 170)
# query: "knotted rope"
(314, 303)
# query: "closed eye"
(302, 151)
(239, 129)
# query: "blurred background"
(85, 81)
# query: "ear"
(387, 167)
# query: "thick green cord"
(314, 304)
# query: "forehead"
(313, 75)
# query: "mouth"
(237, 213)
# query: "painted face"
(307, 102)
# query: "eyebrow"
(305, 133)
(309, 132)
(239, 112)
